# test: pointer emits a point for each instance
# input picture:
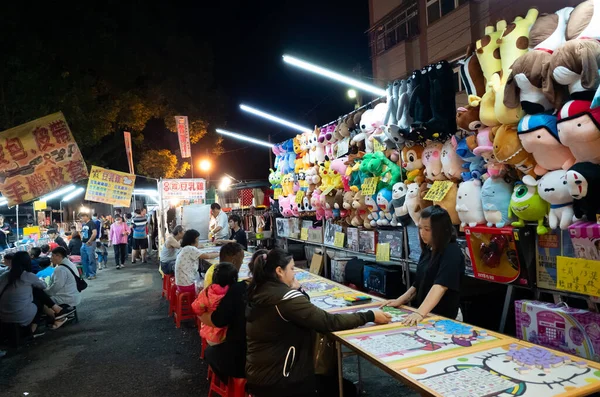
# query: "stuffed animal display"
(524, 149)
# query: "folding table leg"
(338, 346)
(360, 384)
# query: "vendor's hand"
(412, 319)
(392, 303)
(382, 317)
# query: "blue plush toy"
(475, 163)
(495, 199)
(384, 202)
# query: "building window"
(436, 9)
(400, 26)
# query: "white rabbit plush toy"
(468, 203)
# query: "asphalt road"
(126, 345)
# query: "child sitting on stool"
(224, 276)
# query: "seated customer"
(45, 250)
(75, 244)
(54, 236)
(225, 275)
(169, 251)
(188, 260)
(238, 235)
(229, 358)
(35, 253)
(46, 269)
(22, 297)
(63, 284)
(230, 253)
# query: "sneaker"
(122, 266)
(59, 323)
(64, 313)
(118, 267)
(38, 332)
(92, 278)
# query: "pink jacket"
(207, 301)
(116, 235)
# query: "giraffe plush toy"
(487, 50)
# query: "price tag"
(342, 147)
(383, 252)
(299, 196)
(304, 234)
(438, 190)
(369, 186)
(578, 275)
(377, 146)
(277, 192)
(339, 239)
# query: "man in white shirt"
(220, 229)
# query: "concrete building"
(408, 34)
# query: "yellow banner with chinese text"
(110, 187)
(37, 158)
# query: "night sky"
(233, 48)
(248, 47)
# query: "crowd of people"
(43, 285)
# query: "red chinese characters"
(42, 139)
(15, 149)
(38, 185)
(60, 132)
(15, 191)
(76, 170)
(56, 177)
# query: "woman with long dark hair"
(440, 269)
(188, 260)
(22, 298)
(281, 327)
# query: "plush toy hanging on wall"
(413, 164)
(527, 205)
(468, 203)
(432, 160)
(488, 55)
(583, 180)
(539, 136)
(579, 130)
(552, 188)
(495, 199)
(509, 150)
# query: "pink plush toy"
(579, 130)
(432, 159)
(315, 201)
(452, 164)
(539, 136)
(338, 167)
(285, 206)
(485, 149)
(293, 205)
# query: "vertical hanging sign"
(129, 150)
(183, 133)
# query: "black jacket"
(280, 331)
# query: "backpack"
(81, 284)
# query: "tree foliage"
(107, 72)
(161, 164)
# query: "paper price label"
(277, 192)
(299, 196)
(304, 234)
(377, 146)
(438, 190)
(39, 205)
(578, 275)
(369, 186)
(383, 252)
(342, 147)
(339, 239)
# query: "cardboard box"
(574, 331)
(585, 237)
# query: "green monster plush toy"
(527, 205)
(378, 165)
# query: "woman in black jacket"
(281, 326)
(75, 244)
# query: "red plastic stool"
(235, 387)
(183, 309)
(171, 297)
(165, 286)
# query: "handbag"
(81, 284)
(325, 357)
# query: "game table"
(444, 357)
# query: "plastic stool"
(165, 286)
(235, 387)
(171, 297)
(183, 309)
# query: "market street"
(126, 345)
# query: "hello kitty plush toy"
(468, 203)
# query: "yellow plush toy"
(488, 54)
(287, 184)
(326, 175)
(513, 44)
